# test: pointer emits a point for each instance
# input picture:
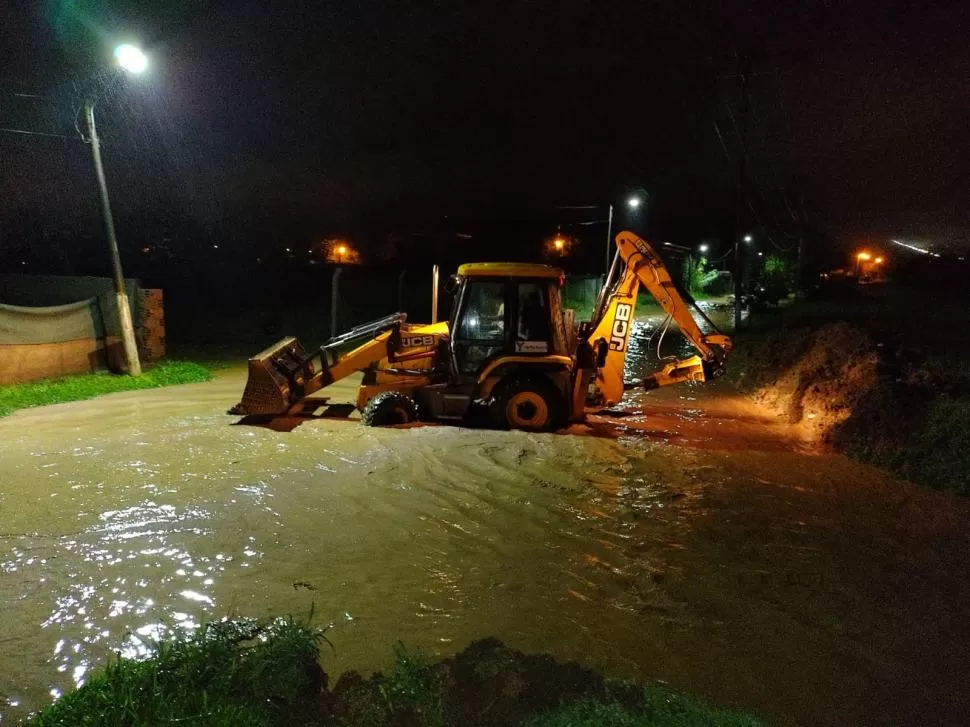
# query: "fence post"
(334, 292)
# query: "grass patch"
(232, 673)
(88, 386)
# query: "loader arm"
(636, 264)
(284, 375)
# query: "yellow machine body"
(508, 349)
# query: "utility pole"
(334, 300)
(609, 241)
(739, 205)
(121, 295)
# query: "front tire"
(532, 405)
(388, 409)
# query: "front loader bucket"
(276, 379)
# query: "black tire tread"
(378, 411)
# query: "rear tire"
(389, 408)
(529, 404)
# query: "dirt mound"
(901, 408)
(489, 683)
(814, 378)
(486, 684)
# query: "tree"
(698, 276)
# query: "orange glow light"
(342, 249)
(558, 242)
(878, 261)
(864, 256)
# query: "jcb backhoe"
(508, 350)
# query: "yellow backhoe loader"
(509, 350)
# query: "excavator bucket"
(276, 379)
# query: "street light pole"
(121, 296)
(609, 240)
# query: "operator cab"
(505, 309)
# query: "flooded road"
(695, 540)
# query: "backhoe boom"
(613, 323)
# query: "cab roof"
(509, 270)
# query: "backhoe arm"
(609, 338)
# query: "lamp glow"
(131, 58)
(634, 202)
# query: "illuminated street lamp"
(702, 248)
(634, 202)
(878, 261)
(748, 238)
(864, 256)
(132, 60)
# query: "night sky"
(297, 120)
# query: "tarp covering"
(51, 324)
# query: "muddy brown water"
(695, 541)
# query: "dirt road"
(694, 541)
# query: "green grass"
(413, 688)
(88, 386)
(238, 673)
(660, 708)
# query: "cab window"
(481, 328)
(533, 331)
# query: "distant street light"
(748, 238)
(702, 248)
(132, 60)
(864, 256)
(878, 261)
(558, 243)
(634, 202)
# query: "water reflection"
(132, 566)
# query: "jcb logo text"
(621, 327)
(412, 341)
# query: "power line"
(36, 133)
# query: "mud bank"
(903, 409)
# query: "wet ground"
(694, 540)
